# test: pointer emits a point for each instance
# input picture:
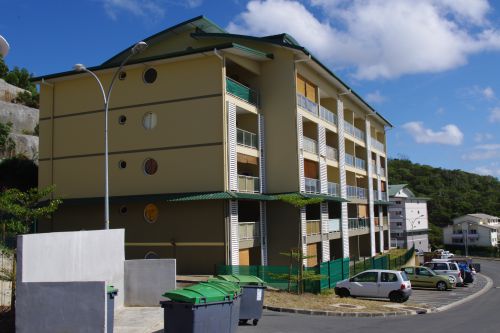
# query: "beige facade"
(230, 122)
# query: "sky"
(431, 67)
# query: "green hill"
(453, 192)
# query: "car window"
(388, 277)
(430, 265)
(440, 266)
(423, 271)
(366, 277)
(404, 276)
(453, 267)
(408, 270)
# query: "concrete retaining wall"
(146, 280)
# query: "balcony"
(359, 163)
(377, 144)
(334, 225)
(359, 223)
(248, 230)
(334, 189)
(349, 159)
(385, 221)
(248, 184)
(354, 131)
(376, 221)
(356, 192)
(306, 104)
(247, 139)
(382, 172)
(332, 153)
(312, 185)
(375, 194)
(310, 145)
(313, 227)
(242, 92)
(327, 115)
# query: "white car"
(446, 267)
(394, 285)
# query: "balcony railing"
(334, 225)
(354, 131)
(377, 144)
(359, 223)
(306, 104)
(312, 185)
(313, 227)
(332, 153)
(248, 184)
(242, 92)
(359, 163)
(385, 196)
(248, 230)
(356, 192)
(327, 115)
(310, 145)
(375, 194)
(382, 171)
(247, 139)
(385, 221)
(349, 159)
(334, 189)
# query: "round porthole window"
(122, 164)
(151, 255)
(149, 75)
(122, 75)
(150, 166)
(151, 213)
(149, 120)
(123, 210)
(122, 120)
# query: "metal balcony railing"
(242, 92)
(349, 159)
(248, 184)
(327, 115)
(313, 227)
(248, 230)
(306, 104)
(334, 189)
(332, 153)
(310, 145)
(247, 139)
(356, 192)
(312, 185)
(334, 225)
(359, 163)
(377, 144)
(359, 223)
(375, 194)
(354, 131)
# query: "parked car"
(394, 285)
(427, 278)
(446, 267)
(466, 272)
(446, 255)
(419, 252)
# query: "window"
(423, 272)
(149, 75)
(409, 270)
(366, 277)
(150, 166)
(149, 120)
(440, 266)
(122, 120)
(151, 213)
(306, 88)
(388, 277)
(453, 267)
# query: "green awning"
(198, 196)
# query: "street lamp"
(136, 49)
(466, 240)
(412, 223)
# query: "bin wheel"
(255, 322)
(243, 322)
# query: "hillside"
(453, 192)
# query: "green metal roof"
(198, 196)
(394, 189)
(382, 202)
(325, 197)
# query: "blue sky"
(430, 66)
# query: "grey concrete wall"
(60, 307)
(73, 256)
(147, 279)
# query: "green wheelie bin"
(199, 308)
(252, 300)
(235, 292)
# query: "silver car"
(445, 267)
(394, 285)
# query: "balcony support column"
(263, 234)
(262, 160)
(371, 208)
(300, 139)
(381, 228)
(323, 177)
(343, 181)
(325, 242)
(231, 146)
(303, 233)
(234, 245)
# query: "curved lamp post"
(412, 223)
(136, 49)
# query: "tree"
(21, 77)
(7, 145)
(4, 69)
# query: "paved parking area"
(436, 299)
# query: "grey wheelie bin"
(252, 300)
(110, 307)
(199, 308)
(235, 292)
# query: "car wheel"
(441, 286)
(397, 297)
(343, 292)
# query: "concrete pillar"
(325, 243)
(343, 181)
(370, 186)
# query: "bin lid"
(231, 288)
(111, 290)
(198, 294)
(243, 280)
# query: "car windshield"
(432, 272)
(404, 276)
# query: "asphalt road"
(478, 315)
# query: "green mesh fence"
(239, 90)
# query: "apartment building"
(473, 230)
(409, 218)
(207, 129)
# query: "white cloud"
(193, 3)
(379, 38)
(449, 134)
(488, 93)
(144, 8)
(495, 115)
(375, 97)
(440, 111)
(483, 152)
(480, 137)
(492, 169)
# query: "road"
(479, 315)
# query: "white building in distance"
(409, 218)
(473, 230)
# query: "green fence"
(331, 272)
